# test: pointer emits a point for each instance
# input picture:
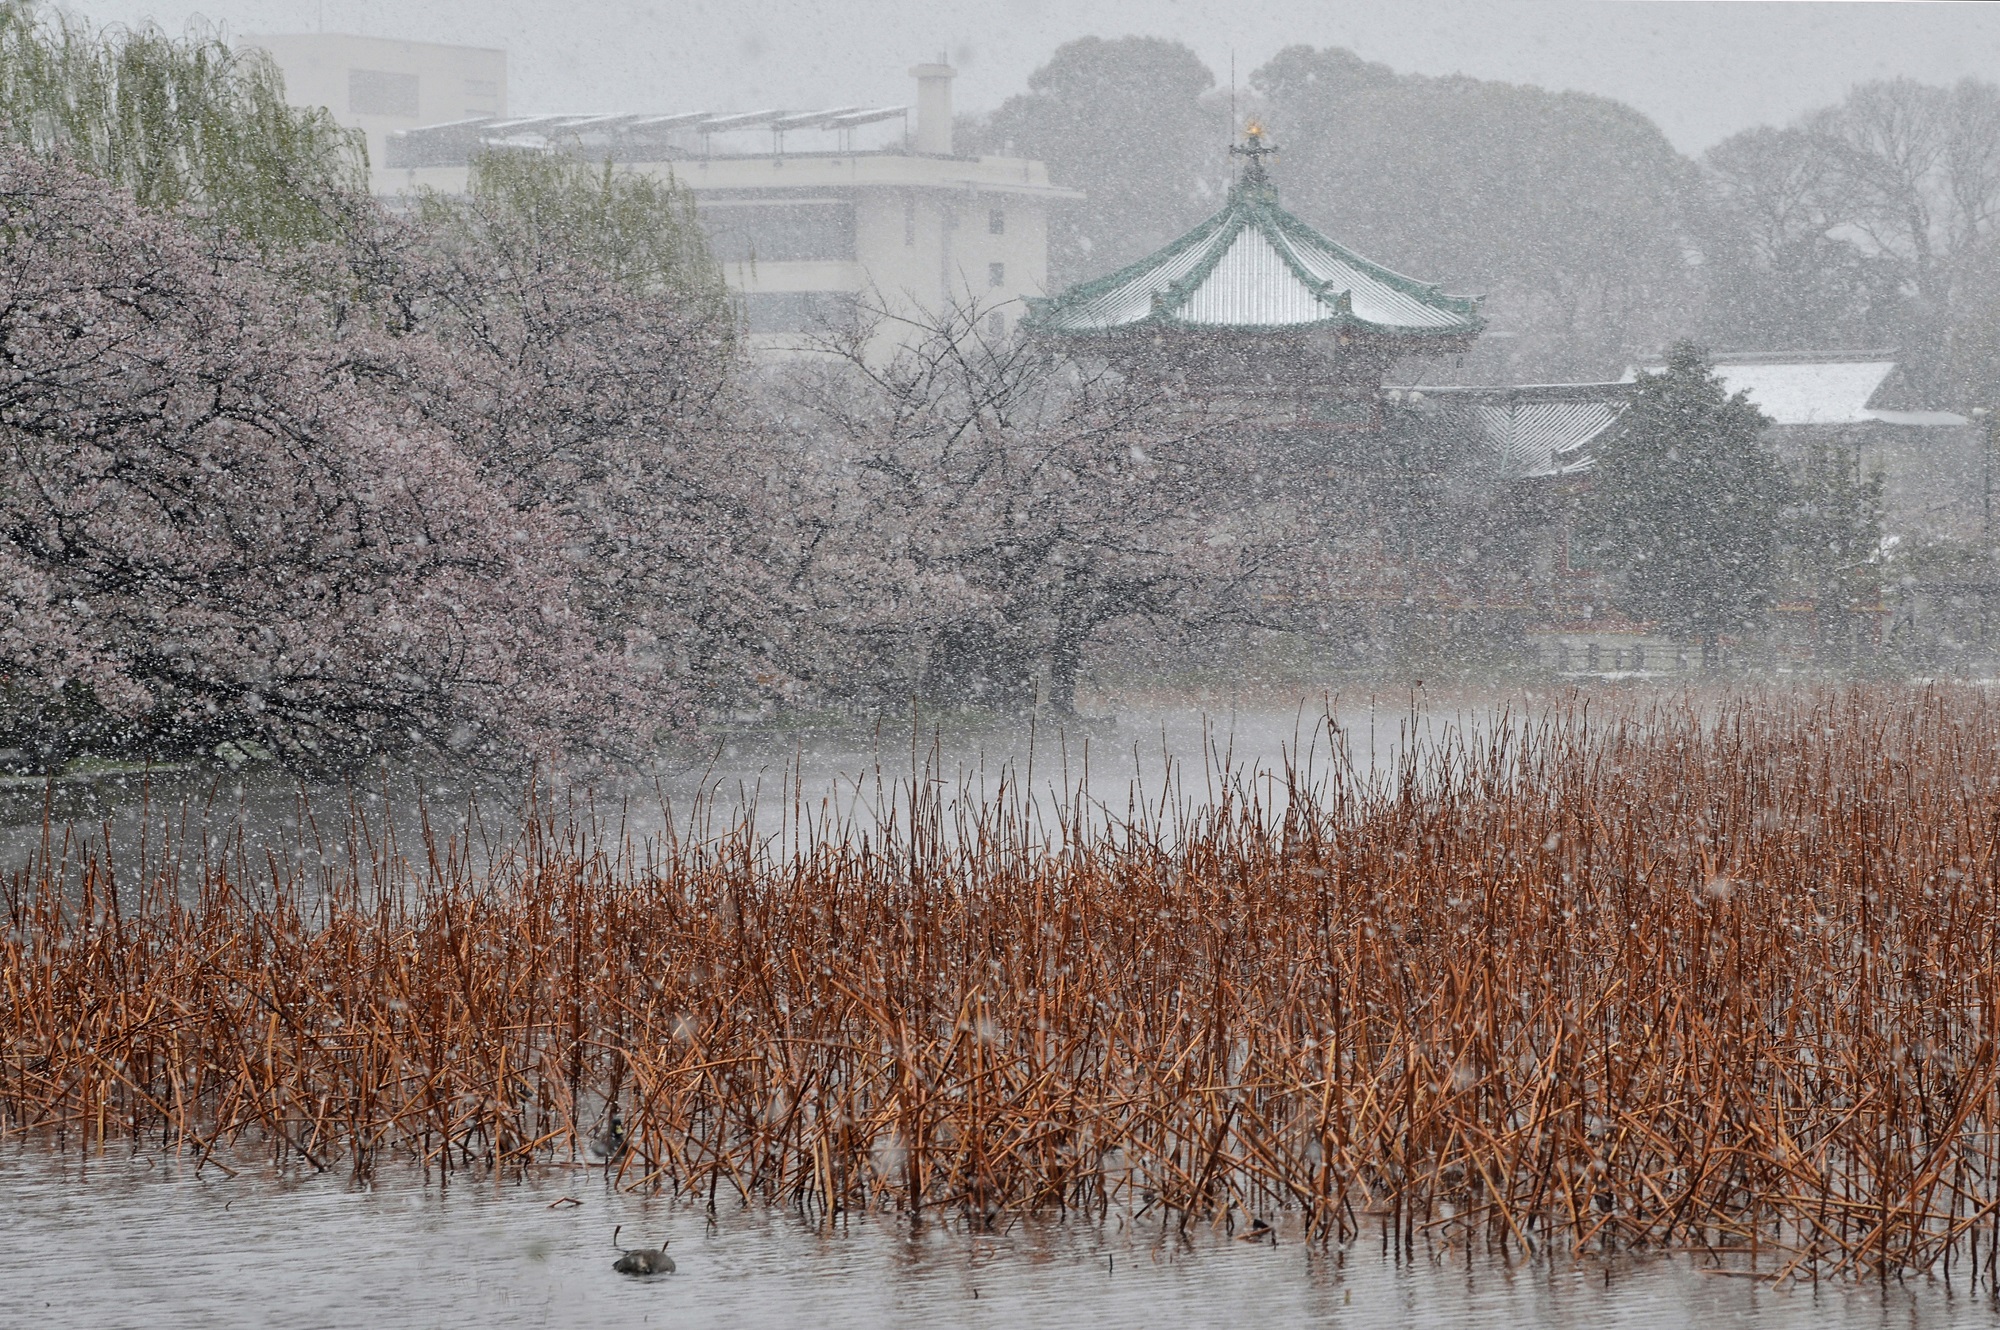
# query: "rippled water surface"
(849, 776)
(117, 1243)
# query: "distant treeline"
(1870, 223)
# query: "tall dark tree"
(1123, 119)
(1782, 270)
(1687, 504)
(1566, 209)
(1833, 529)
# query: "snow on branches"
(210, 530)
(994, 507)
(595, 403)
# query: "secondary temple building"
(1932, 463)
(1258, 316)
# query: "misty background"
(1699, 70)
(1610, 176)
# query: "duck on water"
(641, 1260)
(608, 1146)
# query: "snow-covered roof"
(1544, 438)
(1537, 431)
(1818, 392)
(1254, 266)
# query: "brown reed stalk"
(1712, 974)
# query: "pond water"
(151, 1244)
(852, 775)
(118, 1243)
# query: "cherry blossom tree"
(210, 530)
(994, 508)
(563, 329)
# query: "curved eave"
(1429, 293)
(1083, 292)
(1296, 245)
(1167, 321)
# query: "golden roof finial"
(1256, 149)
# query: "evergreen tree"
(1834, 529)
(1132, 122)
(1687, 504)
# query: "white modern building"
(382, 86)
(810, 211)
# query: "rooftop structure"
(1254, 300)
(1253, 267)
(653, 136)
(808, 211)
(380, 86)
(1831, 390)
(1531, 431)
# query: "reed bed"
(1717, 977)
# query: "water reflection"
(847, 777)
(120, 1243)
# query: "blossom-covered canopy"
(1253, 267)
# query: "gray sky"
(1701, 68)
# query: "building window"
(779, 232)
(909, 219)
(996, 221)
(996, 325)
(796, 311)
(378, 92)
(996, 274)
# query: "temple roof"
(1255, 267)
(1832, 390)
(1534, 431)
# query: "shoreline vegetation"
(1609, 975)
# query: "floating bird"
(1260, 1228)
(641, 1260)
(608, 1146)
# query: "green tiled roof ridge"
(1111, 281)
(1428, 292)
(1254, 204)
